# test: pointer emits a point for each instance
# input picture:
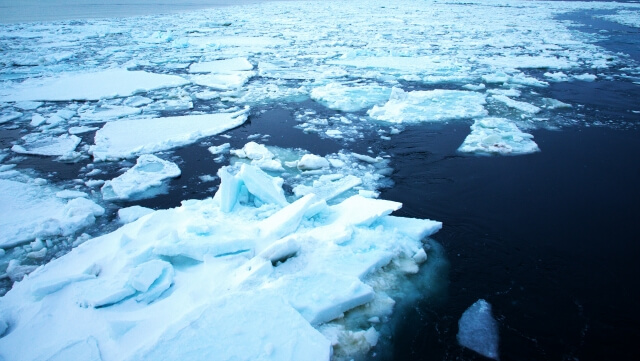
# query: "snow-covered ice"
(148, 173)
(129, 138)
(350, 98)
(39, 144)
(97, 85)
(145, 290)
(498, 136)
(478, 330)
(430, 106)
(31, 210)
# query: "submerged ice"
(478, 330)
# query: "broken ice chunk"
(312, 161)
(133, 213)
(148, 172)
(286, 220)
(224, 66)
(429, 106)
(6, 117)
(323, 297)
(128, 138)
(108, 83)
(478, 330)
(350, 98)
(261, 185)
(521, 106)
(328, 187)
(497, 136)
(63, 145)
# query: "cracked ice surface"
(173, 282)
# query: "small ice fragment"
(522, 106)
(586, 77)
(478, 330)
(69, 194)
(133, 213)
(63, 145)
(9, 116)
(148, 172)
(37, 120)
(222, 148)
(312, 161)
(81, 129)
(145, 274)
(498, 136)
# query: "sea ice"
(39, 144)
(429, 106)
(128, 138)
(224, 66)
(30, 211)
(515, 104)
(350, 98)
(497, 136)
(133, 213)
(97, 85)
(9, 116)
(199, 281)
(108, 113)
(149, 172)
(478, 330)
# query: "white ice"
(498, 136)
(350, 98)
(149, 172)
(199, 281)
(40, 144)
(96, 85)
(478, 330)
(133, 213)
(429, 106)
(129, 138)
(31, 210)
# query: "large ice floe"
(245, 267)
(498, 136)
(128, 138)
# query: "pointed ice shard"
(478, 330)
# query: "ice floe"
(41, 144)
(430, 106)
(97, 85)
(129, 138)
(498, 136)
(31, 210)
(478, 330)
(148, 173)
(284, 268)
(350, 98)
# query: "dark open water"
(549, 239)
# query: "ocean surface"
(549, 239)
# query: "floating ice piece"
(312, 161)
(236, 41)
(328, 187)
(63, 145)
(149, 171)
(98, 85)
(521, 106)
(81, 129)
(28, 105)
(260, 156)
(109, 113)
(557, 76)
(585, 77)
(230, 81)
(401, 64)
(325, 296)
(31, 211)
(350, 98)
(497, 136)
(224, 66)
(429, 106)
(478, 330)
(190, 281)
(128, 138)
(7, 117)
(530, 61)
(133, 213)
(222, 148)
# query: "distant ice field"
(254, 137)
